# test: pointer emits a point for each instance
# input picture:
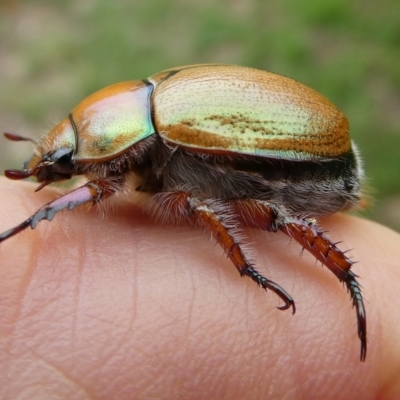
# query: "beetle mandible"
(217, 145)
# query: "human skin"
(125, 308)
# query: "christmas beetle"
(217, 145)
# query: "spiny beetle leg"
(324, 250)
(92, 191)
(263, 215)
(218, 219)
(208, 217)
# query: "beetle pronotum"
(211, 144)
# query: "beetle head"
(52, 159)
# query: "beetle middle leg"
(263, 215)
(217, 218)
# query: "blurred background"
(55, 53)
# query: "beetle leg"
(92, 191)
(213, 216)
(263, 215)
(312, 239)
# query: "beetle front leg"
(92, 191)
(261, 214)
(218, 219)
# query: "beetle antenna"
(18, 138)
(16, 174)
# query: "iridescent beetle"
(217, 145)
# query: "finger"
(158, 311)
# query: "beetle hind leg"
(219, 221)
(324, 250)
(263, 215)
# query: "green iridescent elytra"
(210, 108)
(222, 108)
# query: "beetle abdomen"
(223, 108)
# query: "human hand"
(125, 308)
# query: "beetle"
(219, 146)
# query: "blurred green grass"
(53, 54)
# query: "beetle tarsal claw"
(287, 306)
(14, 231)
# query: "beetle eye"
(66, 158)
(62, 159)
